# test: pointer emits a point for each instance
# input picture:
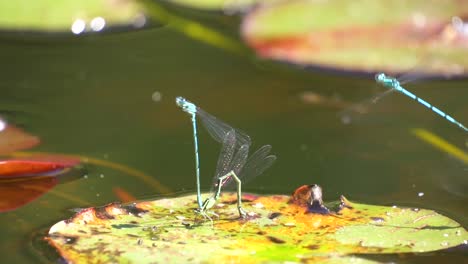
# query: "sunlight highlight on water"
(3, 125)
(97, 24)
(78, 26)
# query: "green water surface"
(93, 95)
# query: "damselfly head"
(186, 105)
(180, 101)
(380, 77)
(386, 80)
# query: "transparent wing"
(257, 163)
(238, 162)
(225, 156)
(445, 70)
(218, 129)
(240, 159)
(355, 111)
(412, 77)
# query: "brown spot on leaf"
(101, 213)
(312, 247)
(247, 197)
(274, 215)
(276, 240)
(132, 209)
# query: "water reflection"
(78, 26)
(97, 24)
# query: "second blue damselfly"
(395, 85)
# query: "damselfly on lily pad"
(277, 228)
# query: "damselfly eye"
(379, 76)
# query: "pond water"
(111, 97)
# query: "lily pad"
(367, 36)
(68, 15)
(227, 5)
(276, 229)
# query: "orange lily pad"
(276, 229)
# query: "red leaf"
(59, 159)
(22, 168)
(18, 192)
(13, 139)
(123, 195)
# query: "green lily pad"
(362, 35)
(277, 228)
(218, 4)
(68, 15)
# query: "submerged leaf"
(17, 192)
(276, 229)
(123, 195)
(361, 35)
(22, 181)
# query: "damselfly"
(233, 166)
(395, 85)
(219, 131)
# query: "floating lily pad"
(218, 4)
(369, 36)
(276, 229)
(68, 15)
